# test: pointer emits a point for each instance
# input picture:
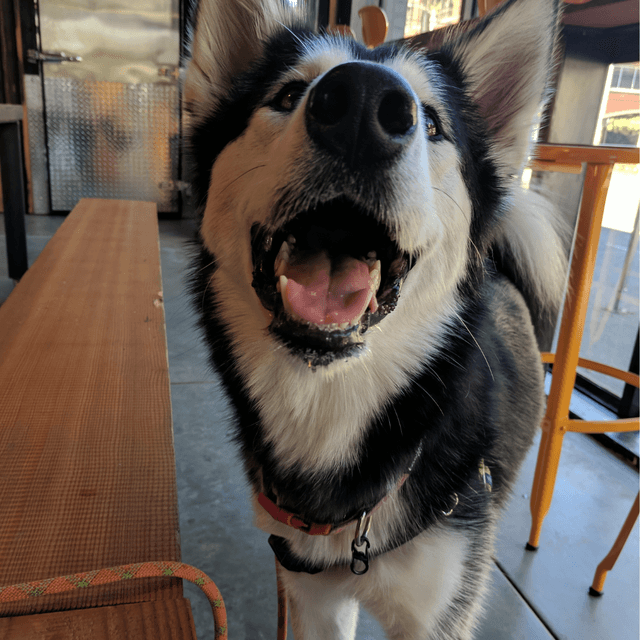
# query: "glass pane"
(308, 10)
(615, 77)
(612, 316)
(611, 325)
(427, 15)
(626, 78)
(621, 130)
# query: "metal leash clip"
(361, 540)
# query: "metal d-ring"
(362, 528)
(455, 504)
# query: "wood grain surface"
(160, 620)
(87, 473)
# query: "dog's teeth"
(283, 292)
(345, 325)
(374, 275)
(373, 303)
(291, 239)
(374, 283)
(282, 259)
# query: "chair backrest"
(374, 25)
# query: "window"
(621, 130)
(625, 76)
(619, 119)
(427, 15)
(611, 326)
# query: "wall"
(574, 121)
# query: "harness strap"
(313, 529)
(291, 562)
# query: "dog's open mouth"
(327, 275)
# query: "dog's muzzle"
(362, 112)
(327, 273)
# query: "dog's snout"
(363, 112)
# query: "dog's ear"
(228, 35)
(507, 60)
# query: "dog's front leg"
(321, 609)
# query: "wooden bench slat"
(88, 473)
(161, 620)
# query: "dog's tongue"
(322, 291)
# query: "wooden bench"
(87, 473)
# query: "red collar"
(314, 529)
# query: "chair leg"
(283, 605)
(607, 564)
(544, 480)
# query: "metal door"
(111, 101)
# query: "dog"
(370, 276)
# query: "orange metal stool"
(610, 559)
(375, 25)
(556, 422)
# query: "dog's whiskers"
(296, 37)
(434, 373)
(464, 214)
(206, 266)
(452, 200)
(397, 418)
(477, 344)
(244, 173)
(430, 396)
(477, 251)
(204, 295)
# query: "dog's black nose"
(362, 111)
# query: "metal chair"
(374, 25)
(565, 360)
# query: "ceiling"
(601, 14)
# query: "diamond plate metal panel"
(112, 140)
(37, 144)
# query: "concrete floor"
(539, 595)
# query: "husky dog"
(370, 277)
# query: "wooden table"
(87, 479)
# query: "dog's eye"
(289, 96)
(431, 124)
